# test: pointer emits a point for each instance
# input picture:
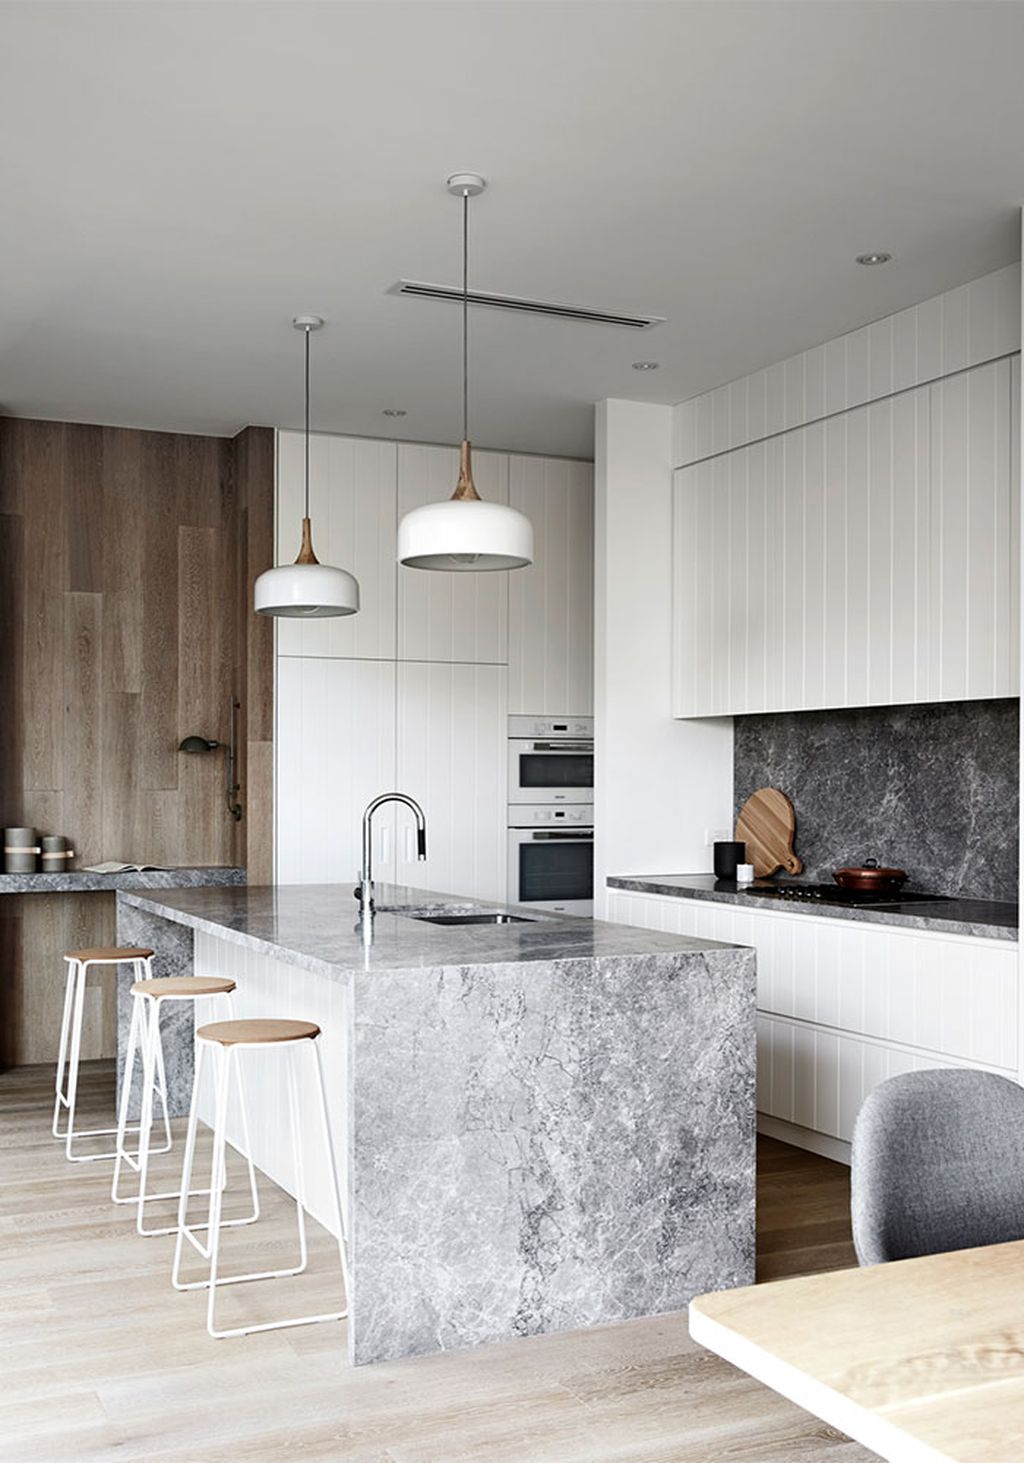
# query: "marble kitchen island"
(541, 1125)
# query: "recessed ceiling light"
(393, 411)
(878, 258)
(646, 365)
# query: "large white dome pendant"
(306, 589)
(465, 533)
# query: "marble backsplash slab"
(932, 789)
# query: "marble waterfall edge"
(549, 1146)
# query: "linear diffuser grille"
(526, 307)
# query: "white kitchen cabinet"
(458, 616)
(843, 1005)
(335, 750)
(551, 603)
(974, 553)
(452, 756)
(867, 559)
(352, 492)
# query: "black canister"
(727, 857)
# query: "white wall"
(660, 783)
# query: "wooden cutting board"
(767, 825)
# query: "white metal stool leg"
(59, 1098)
(144, 1037)
(76, 988)
(225, 1056)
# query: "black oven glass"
(556, 871)
(563, 769)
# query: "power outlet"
(717, 835)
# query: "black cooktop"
(832, 894)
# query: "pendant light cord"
(306, 332)
(465, 316)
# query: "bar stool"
(223, 1040)
(78, 963)
(148, 997)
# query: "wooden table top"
(919, 1360)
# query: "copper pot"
(870, 879)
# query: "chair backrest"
(937, 1164)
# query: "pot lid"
(872, 871)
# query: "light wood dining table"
(919, 1360)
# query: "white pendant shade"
(465, 534)
(306, 591)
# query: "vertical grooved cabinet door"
(452, 754)
(1013, 674)
(973, 565)
(456, 616)
(335, 749)
(352, 501)
(686, 506)
(551, 603)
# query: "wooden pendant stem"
(306, 554)
(465, 488)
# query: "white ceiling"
(177, 180)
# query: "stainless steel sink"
(473, 919)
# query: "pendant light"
(306, 589)
(464, 532)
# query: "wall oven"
(551, 760)
(551, 857)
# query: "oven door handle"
(578, 835)
(574, 747)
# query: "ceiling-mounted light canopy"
(465, 533)
(306, 589)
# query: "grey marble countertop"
(80, 881)
(987, 919)
(315, 926)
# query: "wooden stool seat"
(236, 1033)
(185, 985)
(111, 955)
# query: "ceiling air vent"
(524, 307)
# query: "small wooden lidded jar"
(57, 853)
(21, 850)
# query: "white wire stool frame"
(224, 1057)
(71, 1026)
(144, 1040)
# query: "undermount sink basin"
(473, 919)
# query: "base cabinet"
(842, 1006)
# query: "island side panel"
(539, 1147)
(173, 954)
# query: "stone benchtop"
(83, 881)
(983, 919)
(315, 926)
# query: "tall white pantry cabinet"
(414, 692)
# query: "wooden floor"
(102, 1360)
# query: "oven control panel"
(526, 815)
(552, 727)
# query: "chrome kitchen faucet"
(365, 891)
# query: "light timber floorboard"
(101, 1360)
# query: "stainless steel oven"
(551, 760)
(551, 857)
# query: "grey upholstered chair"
(937, 1164)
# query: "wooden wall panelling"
(254, 485)
(123, 627)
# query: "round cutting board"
(767, 825)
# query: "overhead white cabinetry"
(413, 692)
(842, 1006)
(551, 603)
(870, 558)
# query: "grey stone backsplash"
(932, 789)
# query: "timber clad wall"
(124, 626)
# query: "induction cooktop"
(832, 894)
